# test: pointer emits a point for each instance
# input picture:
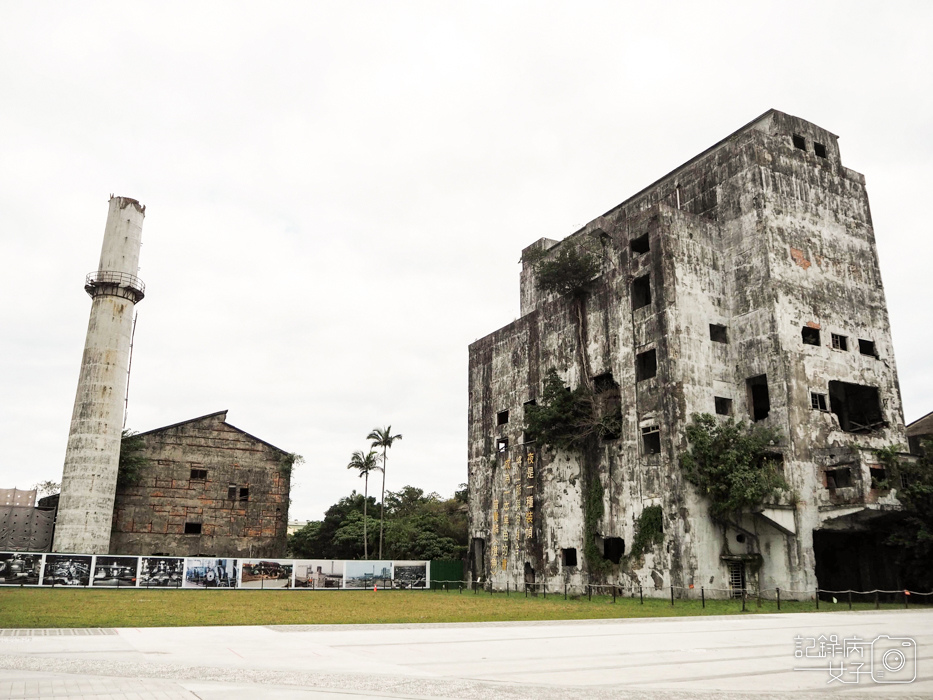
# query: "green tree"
(382, 437)
(365, 463)
(732, 464)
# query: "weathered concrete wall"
(93, 453)
(755, 235)
(198, 470)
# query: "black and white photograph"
(161, 572)
(409, 574)
(319, 574)
(265, 573)
(17, 569)
(67, 570)
(367, 574)
(210, 573)
(116, 572)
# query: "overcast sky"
(338, 193)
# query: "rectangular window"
(811, 336)
(800, 142)
(198, 474)
(641, 292)
(640, 245)
(502, 417)
(718, 334)
(818, 402)
(613, 549)
(840, 342)
(192, 528)
(879, 477)
(867, 347)
(723, 406)
(857, 407)
(244, 494)
(838, 478)
(759, 401)
(231, 492)
(568, 557)
(646, 365)
(651, 439)
(737, 578)
(819, 149)
(502, 445)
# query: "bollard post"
(545, 589)
(850, 600)
(743, 600)
(641, 595)
(817, 598)
(703, 596)
(589, 592)
(474, 588)
(672, 596)
(758, 602)
(506, 589)
(877, 604)
(526, 589)
(906, 598)
(779, 598)
(460, 588)
(613, 595)
(565, 591)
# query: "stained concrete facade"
(745, 283)
(93, 452)
(210, 489)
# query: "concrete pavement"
(655, 659)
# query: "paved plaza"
(726, 657)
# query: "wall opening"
(613, 549)
(818, 401)
(857, 407)
(723, 406)
(641, 245)
(867, 347)
(192, 528)
(853, 560)
(646, 365)
(502, 445)
(737, 578)
(651, 439)
(759, 401)
(231, 492)
(198, 474)
(879, 477)
(244, 494)
(502, 417)
(641, 291)
(800, 142)
(568, 557)
(718, 334)
(530, 578)
(608, 403)
(838, 478)
(811, 336)
(819, 149)
(840, 342)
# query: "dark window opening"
(646, 365)
(244, 494)
(640, 245)
(800, 142)
(192, 528)
(857, 407)
(502, 445)
(607, 404)
(231, 492)
(568, 557)
(641, 292)
(502, 417)
(530, 402)
(840, 342)
(737, 578)
(839, 478)
(906, 481)
(879, 477)
(613, 549)
(819, 149)
(758, 399)
(718, 334)
(867, 347)
(198, 474)
(723, 406)
(818, 401)
(651, 439)
(604, 382)
(811, 336)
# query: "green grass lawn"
(38, 607)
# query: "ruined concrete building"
(210, 489)
(744, 283)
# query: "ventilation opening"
(867, 347)
(758, 399)
(244, 494)
(723, 406)
(646, 365)
(640, 245)
(718, 334)
(231, 492)
(879, 477)
(819, 149)
(192, 528)
(641, 292)
(811, 336)
(502, 417)
(502, 445)
(840, 342)
(568, 557)
(651, 439)
(737, 578)
(800, 142)
(838, 478)
(857, 407)
(198, 474)
(613, 549)
(818, 401)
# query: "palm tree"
(382, 437)
(365, 463)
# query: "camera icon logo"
(893, 659)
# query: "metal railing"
(114, 278)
